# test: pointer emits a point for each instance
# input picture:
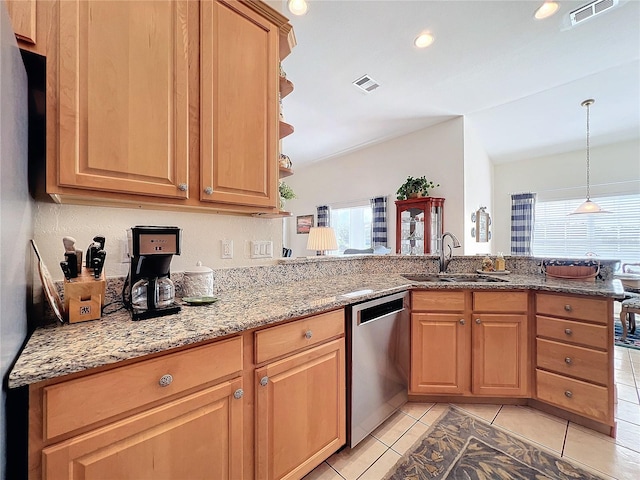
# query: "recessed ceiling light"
(546, 10)
(423, 40)
(298, 7)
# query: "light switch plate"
(261, 249)
(226, 248)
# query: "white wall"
(615, 169)
(16, 227)
(478, 188)
(201, 234)
(436, 152)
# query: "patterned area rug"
(458, 446)
(632, 340)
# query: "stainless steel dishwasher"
(378, 350)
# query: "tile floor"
(617, 458)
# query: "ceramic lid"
(198, 269)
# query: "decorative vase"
(282, 202)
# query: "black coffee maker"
(151, 292)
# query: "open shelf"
(285, 129)
(285, 172)
(286, 87)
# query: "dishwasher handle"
(369, 314)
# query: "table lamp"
(322, 239)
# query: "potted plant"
(415, 188)
(286, 193)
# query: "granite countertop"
(59, 350)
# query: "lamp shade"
(322, 238)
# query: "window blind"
(614, 235)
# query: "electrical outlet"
(226, 249)
(261, 249)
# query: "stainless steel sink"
(454, 278)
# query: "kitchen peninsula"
(279, 319)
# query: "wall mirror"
(482, 219)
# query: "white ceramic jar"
(198, 282)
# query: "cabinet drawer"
(500, 301)
(437, 301)
(573, 307)
(575, 395)
(281, 340)
(584, 363)
(571, 331)
(81, 402)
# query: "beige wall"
(478, 188)
(436, 152)
(201, 234)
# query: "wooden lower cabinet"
(500, 355)
(300, 411)
(468, 352)
(574, 355)
(440, 346)
(195, 437)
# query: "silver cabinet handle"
(208, 190)
(568, 360)
(238, 393)
(568, 331)
(308, 334)
(264, 380)
(568, 394)
(568, 308)
(461, 321)
(165, 380)
(478, 321)
(183, 187)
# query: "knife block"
(84, 297)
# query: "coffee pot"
(150, 288)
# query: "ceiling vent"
(591, 10)
(366, 84)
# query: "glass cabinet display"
(419, 226)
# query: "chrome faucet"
(445, 259)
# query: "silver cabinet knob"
(568, 331)
(183, 187)
(461, 321)
(568, 308)
(478, 321)
(165, 380)
(308, 334)
(264, 380)
(568, 394)
(238, 393)
(568, 360)
(208, 190)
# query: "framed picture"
(304, 223)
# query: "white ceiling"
(519, 81)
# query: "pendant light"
(588, 206)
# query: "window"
(613, 235)
(352, 226)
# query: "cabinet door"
(195, 437)
(500, 354)
(300, 411)
(239, 100)
(23, 19)
(440, 360)
(123, 97)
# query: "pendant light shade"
(588, 206)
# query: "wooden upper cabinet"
(23, 18)
(239, 105)
(123, 97)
